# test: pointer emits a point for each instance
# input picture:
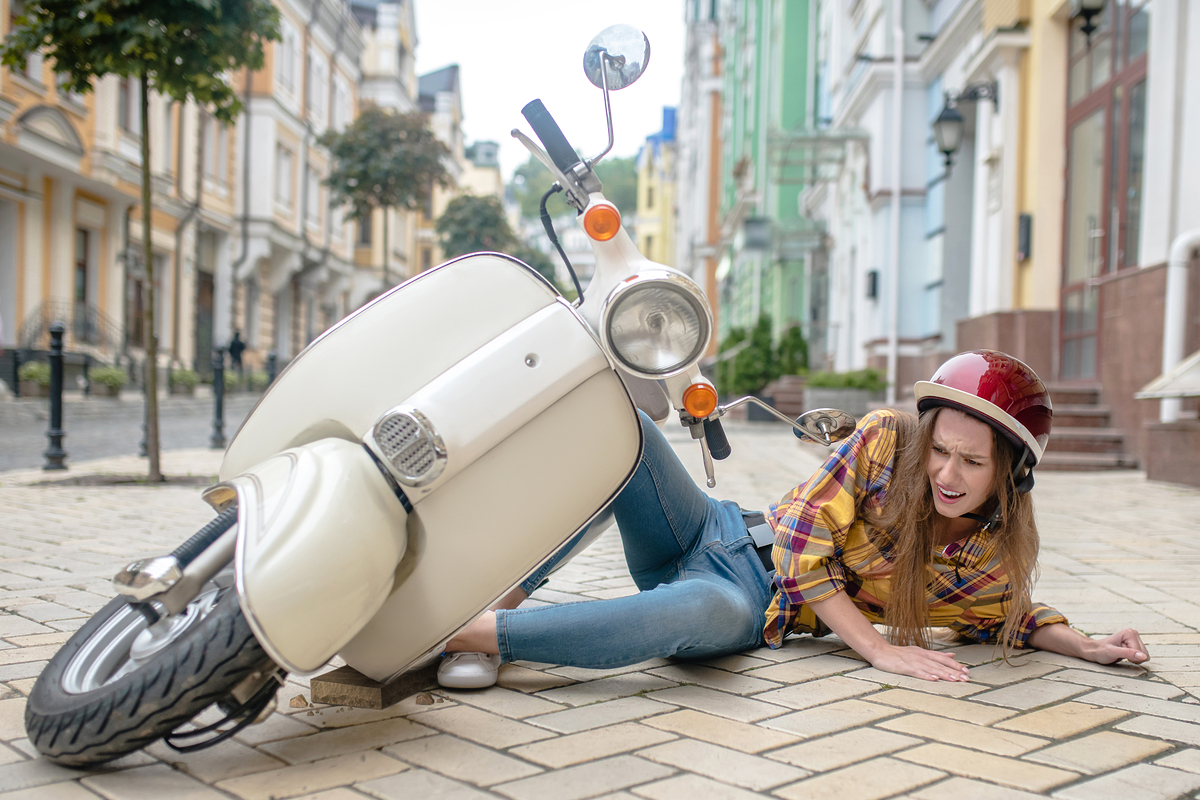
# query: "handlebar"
(714, 434)
(557, 146)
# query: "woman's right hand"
(917, 662)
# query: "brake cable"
(244, 715)
(549, 226)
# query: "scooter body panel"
(376, 357)
(319, 534)
(496, 520)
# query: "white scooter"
(478, 422)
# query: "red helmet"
(998, 389)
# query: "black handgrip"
(557, 146)
(714, 434)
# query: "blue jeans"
(703, 590)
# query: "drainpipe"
(241, 259)
(177, 293)
(1175, 318)
(897, 132)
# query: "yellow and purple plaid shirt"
(823, 547)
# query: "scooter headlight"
(656, 324)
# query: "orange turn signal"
(602, 221)
(700, 400)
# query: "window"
(216, 152)
(65, 95)
(32, 68)
(312, 211)
(341, 103)
(167, 145)
(129, 105)
(318, 88)
(649, 197)
(283, 178)
(285, 51)
(364, 231)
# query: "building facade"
(654, 228)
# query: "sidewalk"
(810, 720)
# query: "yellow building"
(654, 229)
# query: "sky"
(512, 51)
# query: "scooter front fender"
(319, 535)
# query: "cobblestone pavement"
(808, 721)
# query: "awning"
(1182, 381)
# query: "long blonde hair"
(909, 524)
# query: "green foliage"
(184, 47)
(112, 377)
(532, 179)
(182, 376)
(536, 259)
(35, 371)
(472, 224)
(870, 379)
(259, 381)
(385, 160)
(793, 352)
(753, 362)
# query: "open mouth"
(947, 495)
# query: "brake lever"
(575, 194)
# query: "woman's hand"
(917, 662)
(1126, 644)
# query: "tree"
(180, 48)
(472, 224)
(385, 160)
(532, 179)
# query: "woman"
(911, 522)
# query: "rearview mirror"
(628, 52)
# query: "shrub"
(36, 371)
(750, 361)
(184, 377)
(112, 377)
(869, 379)
(259, 380)
(793, 352)
(231, 379)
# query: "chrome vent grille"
(410, 445)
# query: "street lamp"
(948, 127)
(1089, 10)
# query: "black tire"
(200, 666)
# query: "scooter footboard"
(319, 535)
(497, 520)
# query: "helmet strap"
(1022, 484)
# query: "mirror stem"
(605, 58)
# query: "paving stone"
(742, 709)
(579, 674)
(526, 680)
(12, 718)
(718, 679)
(1099, 752)
(1030, 694)
(158, 780)
(738, 662)
(312, 777)
(962, 710)
(1144, 705)
(946, 688)
(480, 726)
(605, 689)
(807, 669)
(976, 737)
(227, 760)
(1143, 781)
(870, 780)
(586, 780)
(599, 715)
(1186, 760)
(54, 791)
(1124, 668)
(798, 646)
(690, 787)
(565, 751)
(274, 728)
(1062, 720)
(47, 612)
(1147, 688)
(1000, 674)
(12, 625)
(723, 764)
(1018, 774)
(1162, 728)
(462, 760)
(842, 749)
(721, 731)
(340, 741)
(830, 718)
(341, 793)
(504, 702)
(818, 692)
(960, 788)
(417, 783)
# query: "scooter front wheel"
(120, 683)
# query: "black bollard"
(143, 448)
(16, 381)
(55, 455)
(87, 376)
(271, 367)
(217, 440)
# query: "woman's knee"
(711, 619)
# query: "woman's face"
(960, 463)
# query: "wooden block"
(346, 686)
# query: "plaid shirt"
(823, 547)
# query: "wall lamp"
(948, 127)
(1089, 10)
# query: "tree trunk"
(151, 387)
(387, 284)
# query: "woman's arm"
(843, 618)
(1060, 638)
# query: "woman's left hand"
(1125, 644)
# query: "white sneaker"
(468, 670)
